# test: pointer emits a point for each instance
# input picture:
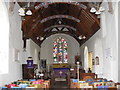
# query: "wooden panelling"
(88, 25)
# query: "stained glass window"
(60, 53)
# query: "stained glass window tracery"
(60, 53)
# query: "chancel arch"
(47, 48)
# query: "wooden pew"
(84, 75)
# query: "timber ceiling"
(48, 16)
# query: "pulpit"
(28, 73)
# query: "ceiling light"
(80, 37)
(98, 12)
(41, 38)
(29, 12)
(84, 37)
(23, 12)
(97, 8)
(59, 22)
(37, 38)
(92, 10)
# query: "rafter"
(88, 23)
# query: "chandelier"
(40, 38)
(97, 8)
(81, 37)
(25, 10)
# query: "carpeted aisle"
(60, 85)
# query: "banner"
(29, 63)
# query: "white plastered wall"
(32, 50)
(47, 48)
(14, 41)
(118, 18)
(103, 40)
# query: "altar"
(61, 65)
(61, 70)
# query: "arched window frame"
(60, 53)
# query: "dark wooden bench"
(84, 75)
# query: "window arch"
(60, 53)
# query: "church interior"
(59, 44)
